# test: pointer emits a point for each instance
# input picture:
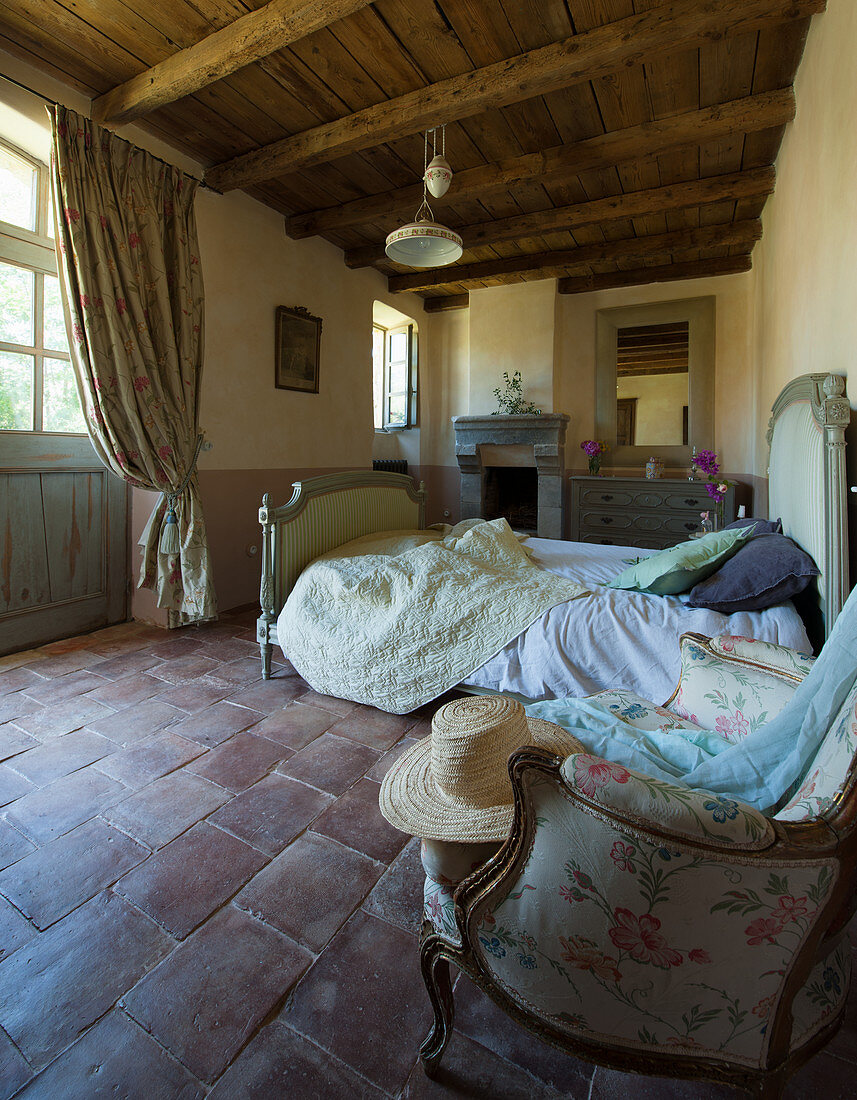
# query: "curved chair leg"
(435, 969)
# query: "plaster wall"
(660, 399)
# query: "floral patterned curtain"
(132, 283)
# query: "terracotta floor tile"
(137, 722)
(58, 984)
(271, 813)
(330, 763)
(611, 1084)
(477, 1017)
(185, 882)
(177, 645)
(398, 896)
(230, 649)
(280, 1063)
(204, 1002)
(115, 1058)
(296, 725)
(355, 820)
(15, 931)
(216, 723)
(49, 692)
(150, 759)
(52, 881)
(128, 690)
(310, 889)
(16, 705)
(367, 965)
(195, 694)
(12, 785)
(241, 761)
(14, 1071)
(64, 755)
(14, 741)
(268, 695)
(389, 758)
(121, 643)
(54, 721)
(127, 664)
(13, 846)
(373, 727)
(239, 673)
(61, 665)
(182, 669)
(166, 808)
(53, 810)
(14, 679)
(327, 702)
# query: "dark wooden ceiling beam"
(250, 38)
(649, 139)
(744, 233)
(447, 302)
(602, 51)
(755, 183)
(667, 273)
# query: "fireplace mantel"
(544, 433)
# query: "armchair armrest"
(687, 814)
(734, 685)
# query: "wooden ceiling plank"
(250, 38)
(658, 200)
(650, 139)
(445, 302)
(698, 269)
(680, 24)
(745, 233)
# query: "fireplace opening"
(512, 492)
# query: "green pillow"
(680, 567)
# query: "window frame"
(35, 251)
(410, 393)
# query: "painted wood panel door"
(63, 540)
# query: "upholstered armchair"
(642, 925)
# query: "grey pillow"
(763, 526)
(766, 570)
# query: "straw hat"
(454, 785)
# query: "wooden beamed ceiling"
(604, 142)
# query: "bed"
(620, 637)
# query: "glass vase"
(594, 465)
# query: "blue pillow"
(760, 526)
(768, 570)
(681, 567)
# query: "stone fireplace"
(495, 455)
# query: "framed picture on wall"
(297, 348)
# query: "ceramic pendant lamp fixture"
(425, 242)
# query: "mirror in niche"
(651, 385)
(654, 380)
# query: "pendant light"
(425, 242)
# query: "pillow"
(760, 526)
(765, 571)
(681, 567)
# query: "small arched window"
(394, 368)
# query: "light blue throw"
(761, 769)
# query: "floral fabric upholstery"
(827, 772)
(639, 712)
(616, 935)
(823, 994)
(696, 815)
(763, 653)
(446, 864)
(719, 692)
(438, 908)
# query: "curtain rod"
(55, 103)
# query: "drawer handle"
(691, 503)
(606, 519)
(606, 496)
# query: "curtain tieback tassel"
(170, 543)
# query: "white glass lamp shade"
(424, 244)
(438, 176)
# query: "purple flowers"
(706, 462)
(593, 447)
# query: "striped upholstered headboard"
(326, 512)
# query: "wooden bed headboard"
(806, 479)
(324, 513)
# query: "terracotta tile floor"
(199, 897)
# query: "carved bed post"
(267, 619)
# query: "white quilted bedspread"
(396, 620)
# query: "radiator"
(391, 465)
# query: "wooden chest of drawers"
(633, 511)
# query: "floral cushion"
(825, 776)
(448, 861)
(763, 653)
(622, 938)
(438, 907)
(824, 993)
(727, 695)
(653, 803)
(640, 713)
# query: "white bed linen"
(615, 638)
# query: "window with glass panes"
(37, 386)
(394, 356)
